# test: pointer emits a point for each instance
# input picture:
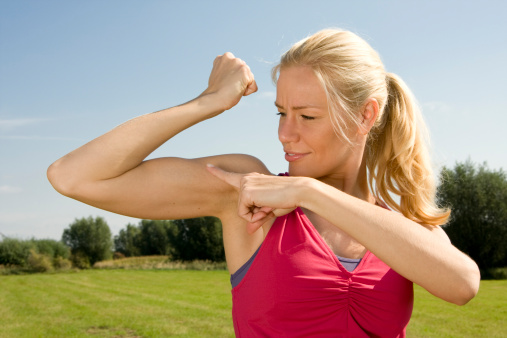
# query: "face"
(305, 129)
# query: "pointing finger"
(233, 179)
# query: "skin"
(328, 181)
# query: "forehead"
(299, 85)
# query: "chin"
(304, 172)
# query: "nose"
(287, 130)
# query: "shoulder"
(239, 163)
(437, 231)
(440, 233)
(224, 197)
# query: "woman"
(314, 252)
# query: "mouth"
(291, 157)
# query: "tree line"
(89, 240)
(476, 195)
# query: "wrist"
(307, 187)
(210, 104)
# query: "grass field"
(161, 303)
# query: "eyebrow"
(296, 107)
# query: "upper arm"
(170, 188)
(441, 233)
(438, 231)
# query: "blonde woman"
(323, 250)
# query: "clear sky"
(72, 70)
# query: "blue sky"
(72, 70)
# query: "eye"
(306, 117)
(281, 114)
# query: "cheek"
(334, 150)
(331, 142)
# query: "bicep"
(170, 188)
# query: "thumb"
(231, 178)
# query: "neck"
(353, 181)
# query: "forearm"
(414, 251)
(127, 145)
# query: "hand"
(230, 79)
(261, 197)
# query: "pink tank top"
(296, 287)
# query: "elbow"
(469, 285)
(60, 179)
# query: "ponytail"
(398, 159)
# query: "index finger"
(233, 179)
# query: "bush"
(39, 262)
(60, 263)
(80, 260)
(14, 252)
(51, 248)
(159, 263)
(118, 255)
(495, 273)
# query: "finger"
(233, 179)
(229, 55)
(252, 227)
(281, 212)
(251, 88)
(266, 210)
(251, 213)
(255, 216)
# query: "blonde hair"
(397, 159)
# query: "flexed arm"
(109, 171)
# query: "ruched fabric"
(296, 287)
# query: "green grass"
(116, 303)
(161, 303)
(483, 316)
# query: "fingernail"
(210, 165)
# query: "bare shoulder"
(240, 163)
(439, 232)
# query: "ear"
(369, 115)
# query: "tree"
(89, 240)
(477, 197)
(127, 241)
(185, 239)
(198, 238)
(154, 237)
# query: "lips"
(291, 157)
